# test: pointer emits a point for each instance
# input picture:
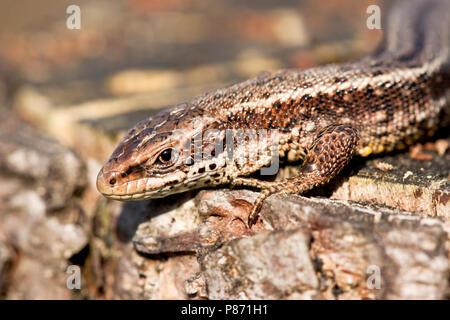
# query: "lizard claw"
(254, 213)
(252, 219)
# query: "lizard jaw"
(139, 189)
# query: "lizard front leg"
(330, 152)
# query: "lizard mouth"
(139, 189)
(136, 196)
(132, 197)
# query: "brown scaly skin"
(323, 115)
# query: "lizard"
(322, 118)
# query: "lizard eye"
(167, 156)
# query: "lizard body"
(322, 116)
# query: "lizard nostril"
(123, 175)
(112, 181)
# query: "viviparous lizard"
(321, 117)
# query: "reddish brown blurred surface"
(175, 34)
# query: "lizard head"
(156, 158)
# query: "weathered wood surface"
(335, 247)
(44, 221)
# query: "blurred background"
(67, 96)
